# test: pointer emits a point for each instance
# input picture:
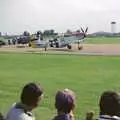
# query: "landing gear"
(51, 43)
(69, 47)
(45, 48)
(57, 45)
(29, 44)
(80, 47)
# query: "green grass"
(3, 39)
(102, 40)
(88, 76)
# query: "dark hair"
(64, 102)
(30, 93)
(110, 103)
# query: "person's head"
(110, 103)
(31, 95)
(90, 115)
(71, 93)
(1, 116)
(64, 101)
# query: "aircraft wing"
(74, 39)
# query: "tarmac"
(88, 49)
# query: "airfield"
(88, 72)
(88, 49)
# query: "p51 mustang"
(68, 39)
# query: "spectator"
(30, 97)
(110, 106)
(73, 95)
(90, 115)
(65, 103)
(1, 116)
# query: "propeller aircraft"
(68, 39)
(60, 41)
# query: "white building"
(113, 27)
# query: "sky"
(17, 16)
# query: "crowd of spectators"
(65, 103)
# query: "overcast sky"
(32, 15)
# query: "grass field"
(102, 40)
(88, 76)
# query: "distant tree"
(26, 33)
(68, 31)
(46, 33)
(0, 34)
(49, 32)
(38, 33)
(78, 31)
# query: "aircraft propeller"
(86, 30)
(82, 30)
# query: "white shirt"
(19, 114)
(107, 117)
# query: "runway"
(88, 49)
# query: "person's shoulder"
(18, 114)
(62, 117)
(108, 117)
(27, 116)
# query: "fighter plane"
(68, 39)
(38, 42)
(65, 40)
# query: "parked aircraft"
(23, 40)
(68, 39)
(65, 40)
(38, 42)
(2, 43)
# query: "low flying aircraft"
(68, 39)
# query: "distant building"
(113, 27)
